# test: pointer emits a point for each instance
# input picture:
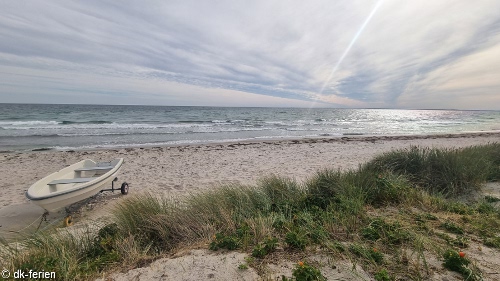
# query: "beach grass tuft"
(71, 256)
(444, 171)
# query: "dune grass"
(73, 256)
(389, 215)
(447, 171)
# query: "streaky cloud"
(344, 53)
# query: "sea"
(33, 127)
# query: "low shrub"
(485, 208)
(457, 262)
(452, 227)
(102, 251)
(264, 248)
(296, 239)
(492, 242)
(371, 254)
(491, 199)
(457, 207)
(221, 241)
(382, 275)
(391, 233)
(306, 272)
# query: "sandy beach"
(183, 169)
(180, 170)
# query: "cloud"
(269, 50)
(470, 82)
(97, 86)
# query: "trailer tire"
(68, 221)
(124, 188)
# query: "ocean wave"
(233, 130)
(30, 136)
(315, 122)
(278, 123)
(80, 133)
(135, 145)
(91, 134)
(116, 134)
(353, 134)
(83, 134)
(221, 121)
(28, 123)
(100, 126)
(302, 129)
(194, 121)
(85, 122)
(211, 121)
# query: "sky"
(344, 53)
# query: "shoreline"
(340, 138)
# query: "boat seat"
(94, 168)
(66, 181)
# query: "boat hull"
(71, 193)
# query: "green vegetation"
(384, 216)
(73, 256)
(493, 242)
(446, 171)
(369, 254)
(455, 262)
(243, 266)
(382, 275)
(491, 199)
(390, 233)
(264, 248)
(452, 227)
(306, 272)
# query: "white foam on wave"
(221, 121)
(27, 123)
(302, 129)
(234, 130)
(83, 126)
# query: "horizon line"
(214, 106)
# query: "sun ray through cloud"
(353, 41)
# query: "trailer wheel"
(124, 188)
(68, 221)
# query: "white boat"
(74, 183)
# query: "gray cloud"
(268, 48)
